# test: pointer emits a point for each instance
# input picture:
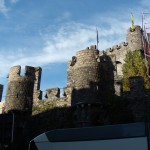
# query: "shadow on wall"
(107, 77)
(55, 118)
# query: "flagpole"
(142, 21)
(97, 39)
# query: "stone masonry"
(90, 74)
(37, 92)
(86, 77)
(19, 94)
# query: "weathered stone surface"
(1, 91)
(19, 94)
(84, 77)
(134, 39)
(90, 74)
(52, 93)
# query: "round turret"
(86, 77)
(19, 96)
(134, 38)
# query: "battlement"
(116, 48)
(20, 89)
(137, 29)
(87, 56)
(15, 72)
(52, 93)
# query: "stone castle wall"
(118, 52)
(84, 77)
(37, 95)
(85, 72)
(19, 94)
(90, 73)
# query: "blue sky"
(48, 33)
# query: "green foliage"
(134, 65)
(42, 106)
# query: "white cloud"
(3, 8)
(71, 37)
(14, 1)
(66, 15)
(62, 45)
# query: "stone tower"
(1, 91)
(19, 96)
(84, 82)
(86, 77)
(134, 39)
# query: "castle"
(91, 73)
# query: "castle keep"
(93, 77)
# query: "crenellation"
(122, 44)
(93, 47)
(37, 72)
(94, 86)
(52, 94)
(14, 72)
(115, 47)
(29, 71)
(108, 51)
(118, 47)
(19, 94)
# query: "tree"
(135, 65)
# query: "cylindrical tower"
(134, 38)
(86, 77)
(19, 96)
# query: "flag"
(132, 19)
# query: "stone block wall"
(52, 93)
(19, 94)
(134, 38)
(138, 99)
(118, 52)
(84, 77)
(37, 95)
